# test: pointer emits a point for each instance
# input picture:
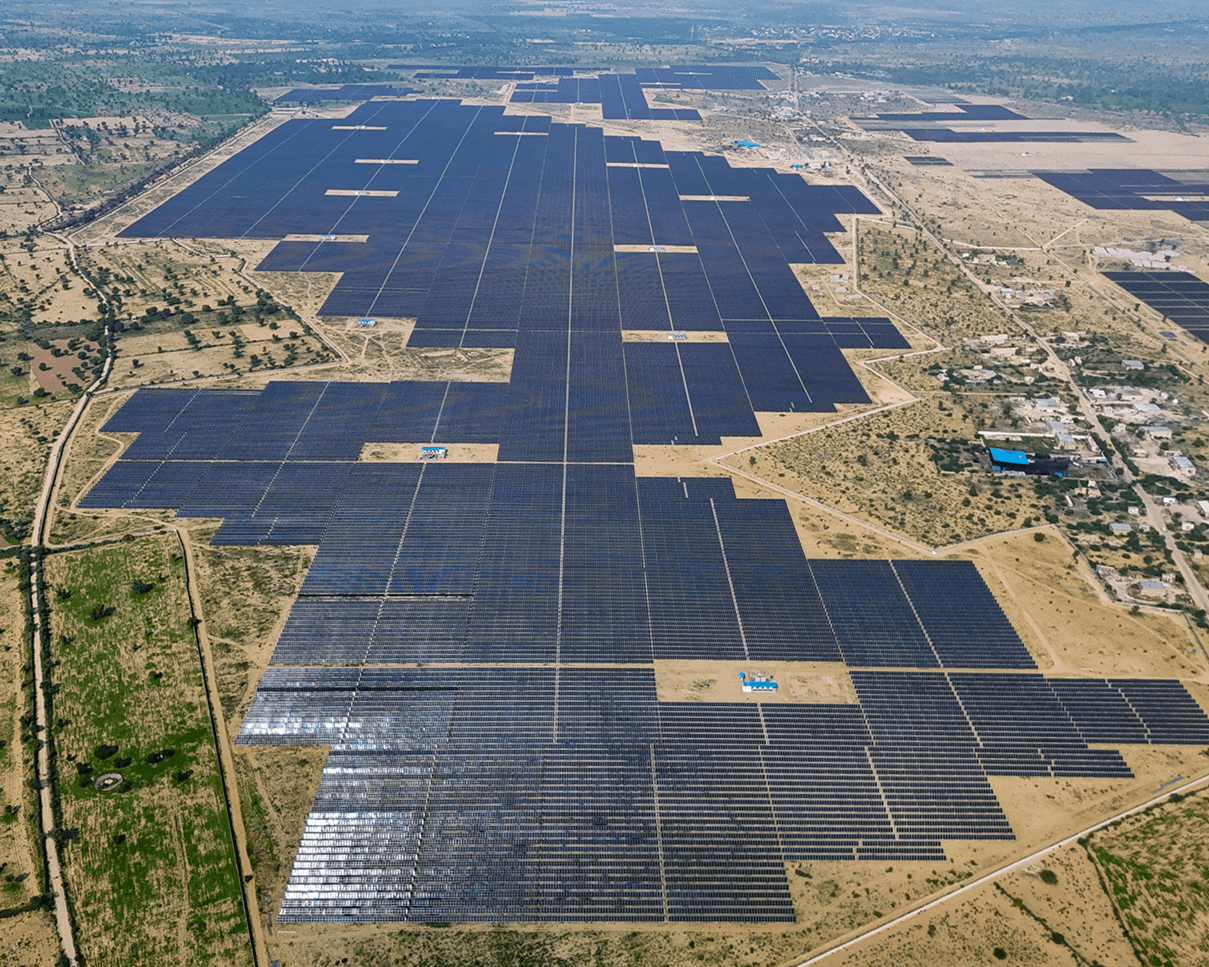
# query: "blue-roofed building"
(755, 682)
(1015, 458)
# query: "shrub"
(1000, 953)
(1050, 877)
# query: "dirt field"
(1055, 604)
(714, 681)
(411, 452)
(32, 283)
(55, 371)
(150, 864)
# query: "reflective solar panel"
(479, 641)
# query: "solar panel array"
(701, 77)
(429, 562)
(478, 643)
(1179, 296)
(479, 72)
(932, 126)
(676, 811)
(500, 241)
(1133, 189)
(964, 112)
(620, 96)
(949, 136)
(346, 92)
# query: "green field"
(150, 866)
(1157, 868)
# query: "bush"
(105, 751)
(1038, 537)
(1000, 953)
(1050, 877)
(101, 611)
(141, 587)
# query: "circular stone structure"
(108, 782)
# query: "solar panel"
(478, 642)
(1133, 189)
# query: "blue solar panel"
(478, 640)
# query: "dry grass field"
(26, 435)
(25, 937)
(246, 594)
(881, 469)
(1055, 604)
(1130, 894)
(149, 865)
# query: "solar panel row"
(949, 136)
(620, 97)
(491, 238)
(1178, 296)
(644, 832)
(1023, 725)
(511, 786)
(1132, 189)
(712, 77)
(346, 92)
(963, 112)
